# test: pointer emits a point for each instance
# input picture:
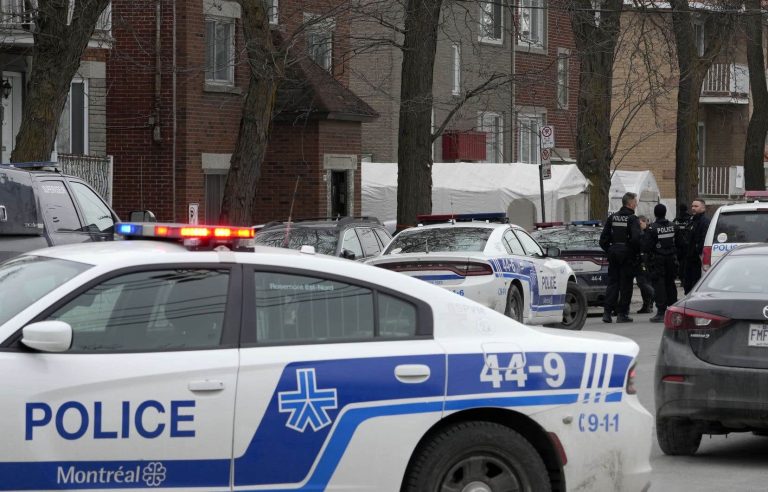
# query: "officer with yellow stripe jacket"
(660, 247)
(620, 239)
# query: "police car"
(734, 225)
(132, 365)
(496, 264)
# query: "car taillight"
(680, 318)
(706, 258)
(631, 389)
(460, 268)
(474, 269)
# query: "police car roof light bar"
(484, 216)
(544, 225)
(593, 223)
(756, 196)
(190, 235)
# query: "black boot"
(623, 318)
(647, 308)
(659, 318)
(607, 316)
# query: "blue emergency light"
(129, 229)
(593, 223)
(482, 216)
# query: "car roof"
(42, 170)
(750, 250)
(323, 223)
(743, 207)
(445, 225)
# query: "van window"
(742, 227)
(58, 207)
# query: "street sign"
(547, 137)
(194, 217)
(546, 164)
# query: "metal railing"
(726, 79)
(20, 14)
(96, 171)
(721, 181)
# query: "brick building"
(177, 76)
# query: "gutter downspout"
(512, 84)
(156, 136)
(173, 99)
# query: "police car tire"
(677, 437)
(575, 294)
(505, 450)
(514, 298)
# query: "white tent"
(642, 183)
(471, 188)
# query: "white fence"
(721, 181)
(726, 79)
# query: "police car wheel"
(514, 307)
(574, 308)
(677, 437)
(477, 457)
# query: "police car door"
(548, 282)
(144, 398)
(338, 382)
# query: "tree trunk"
(253, 136)
(414, 145)
(754, 150)
(56, 54)
(596, 42)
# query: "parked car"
(579, 245)
(41, 207)
(712, 365)
(354, 238)
(734, 225)
(139, 365)
(496, 264)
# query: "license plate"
(758, 336)
(579, 266)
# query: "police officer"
(621, 241)
(660, 247)
(698, 228)
(682, 236)
(642, 274)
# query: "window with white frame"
(701, 143)
(562, 78)
(456, 70)
(72, 135)
(530, 125)
(493, 126)
(271, 10)
(698, 38)
(320, 40)
(491, 21)
(219, 50)
(532, 16)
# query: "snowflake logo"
(308, 405)
(153, 474)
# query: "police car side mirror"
(552, 252)
(345, 253)
(141, 216)
(48, 336)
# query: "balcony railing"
(721, 181)
(726, 83)
(20, 15)
(96, 171)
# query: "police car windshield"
(440, 240)
(565, 239)
(742, 227)
(324, 240)
(26, 279)
(739, 274)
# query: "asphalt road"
(733, 463)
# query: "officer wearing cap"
(620, 239)
(661, 249)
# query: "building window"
(219, 52)
(562, 78)
(72, 136)
(491, 21)
(532, 15)
(320, 41)
(493, 126)
(272, 11)
(698, 38)
(456, 70)
(701, 143)
(530, 125)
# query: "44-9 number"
(517, 370)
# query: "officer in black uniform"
(642, 271)
(621, 241)
(662, 252)
(698, 228)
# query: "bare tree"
(754, 150)
(61, 33)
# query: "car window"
(530, 246)
(300, 308)
(571, 238)
(384, 237)
(740, 274)
(397, 318)
(58, 207)
(26, 279)
(368, 240)
(352, 243)
(440, 239)
(742, 227)
(95, 210)
(154, 310)
(513, 244)
(324, 240)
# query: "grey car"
(712, 367)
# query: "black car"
(41, 207)
(579, 246)
(354, 238)
(712, 367)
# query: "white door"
(548, 282)
(11, 113)
(344, 377)
(143, 398)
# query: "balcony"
(17, 22)
(721, 181)
(726, 83)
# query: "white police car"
(140, 365)
(498, 265)
(735, 225)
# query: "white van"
(734, 225)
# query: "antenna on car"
(290, 213)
